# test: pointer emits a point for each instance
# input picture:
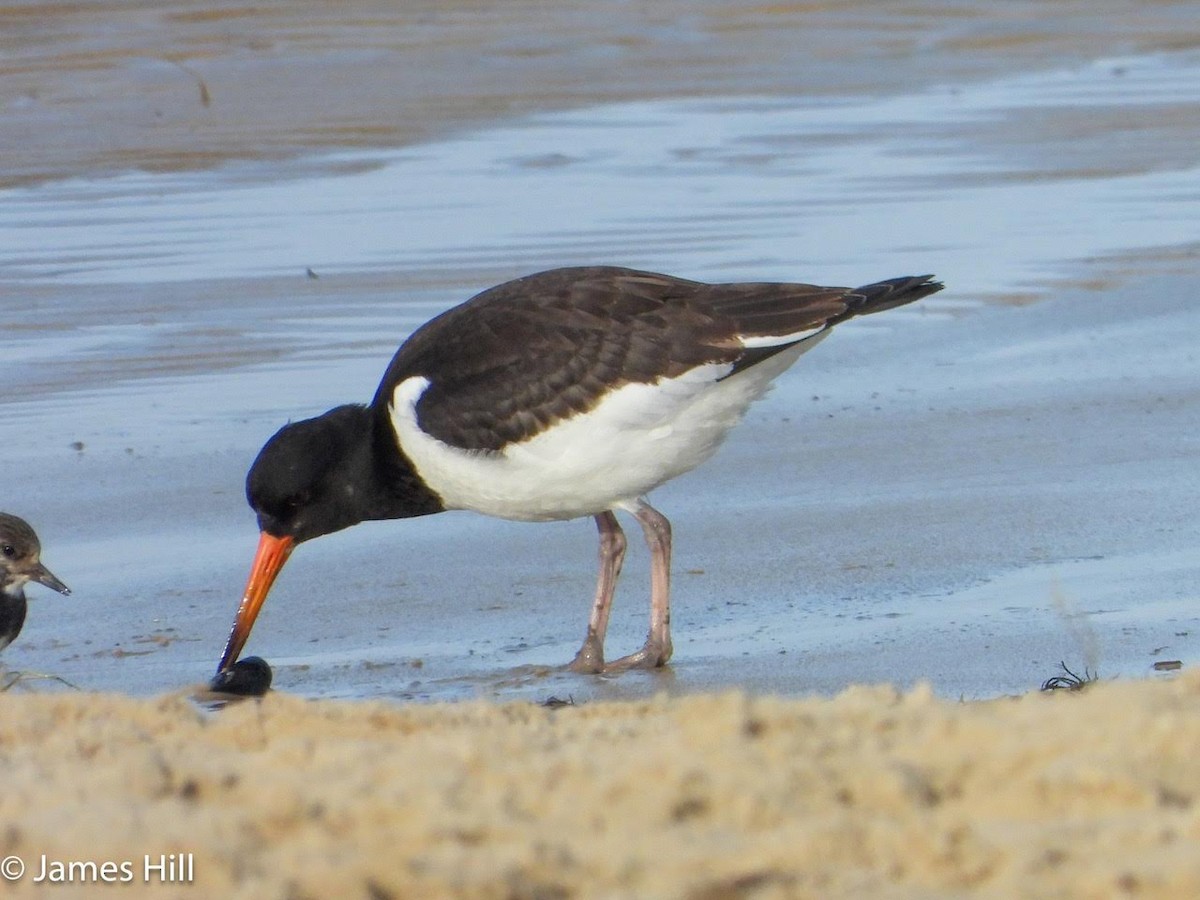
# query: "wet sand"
(94, 88)
(993, 488)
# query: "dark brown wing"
(527, 353)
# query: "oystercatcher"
(20, 553)
(572, 392)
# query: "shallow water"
(157, 327)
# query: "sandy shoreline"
(872, 793)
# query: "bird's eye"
(9, 551)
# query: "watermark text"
(152, 868)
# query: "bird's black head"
(316, 476)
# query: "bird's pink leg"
(590, 657)
(657, 649)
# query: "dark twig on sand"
(1069, 681)
(205, 96)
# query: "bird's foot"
(654, 655)
(10, 679)
(590, 658)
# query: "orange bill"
(268, 561)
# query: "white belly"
(634, 440)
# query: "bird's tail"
(873, 298)
(774, 317)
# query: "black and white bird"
(572, 392)
(20, 563)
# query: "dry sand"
(873, 793)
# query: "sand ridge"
(871, 793)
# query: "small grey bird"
(20, 562)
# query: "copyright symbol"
(12, 868)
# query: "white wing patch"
(776, 340)
(636, 438)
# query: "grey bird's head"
(20, 558)
(20, 564)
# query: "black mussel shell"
(249, 677)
